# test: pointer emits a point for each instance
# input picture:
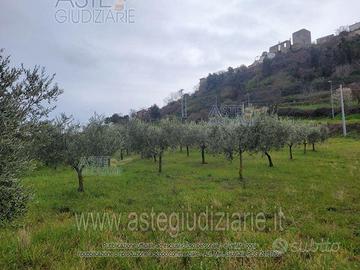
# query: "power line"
(332, 99)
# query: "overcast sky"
(113, 67)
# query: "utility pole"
(343, 110)
(248, 99)
(183, 105)
(332, 100)
(181, 92)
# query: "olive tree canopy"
(26, 96)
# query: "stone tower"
(302, 38)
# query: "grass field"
(318, 194)
(308, 106)
(318, 105)
(350, 119)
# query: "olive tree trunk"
(290, 151)
(203, 154)
(241, 177)
(231, 156)
(160, 162)
(270, 160)
(187, 151)
(80, 179)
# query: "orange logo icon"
(119, 5)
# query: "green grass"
(314, 106)
(308, 106)
(318, 193)
(350, 119)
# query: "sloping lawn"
(316, 197)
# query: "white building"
(354, 27)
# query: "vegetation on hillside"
(298, 77)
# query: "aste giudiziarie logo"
(94, 11)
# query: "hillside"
(296, 82)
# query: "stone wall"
(281, 47)
(325, 39)
(274, 49)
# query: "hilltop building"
(354, 27)
(325, 39)
(203, 84)
(302, 38)
(281, 47)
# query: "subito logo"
(280, 245)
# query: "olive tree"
(294, 135)
(173, 130)
(176, 132)
(314, 136)
(317, 134)
(189, 136)
(119, 134)
(26, 97)
(76, 148)
(49, 142)
(305, 130)
(201, 138)
(230, 136)
(218, 142)
(94, 139)
(137, 130)
(267, 134)
(241, 134)
(324, 133)
(158, 140)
